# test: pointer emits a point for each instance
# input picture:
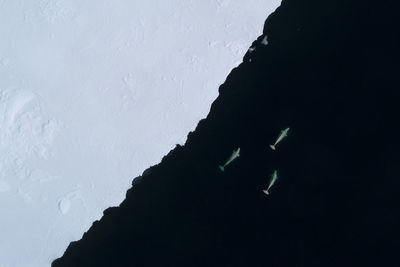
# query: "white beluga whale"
(272, 181)
(265, 41)
(282, 135)
(235, 154)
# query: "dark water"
(330, 73)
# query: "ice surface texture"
(94, 92)
(330, 73)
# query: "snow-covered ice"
(91, 94)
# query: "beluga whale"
(235, 154)
(282, 135)
(272, 181)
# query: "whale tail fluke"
(272, 147)
(221, 168)
(266, 192)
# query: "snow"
(91, 94)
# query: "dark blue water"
(330, 73)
